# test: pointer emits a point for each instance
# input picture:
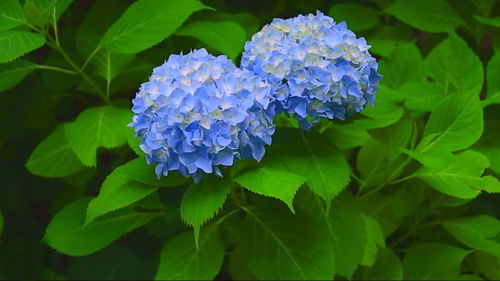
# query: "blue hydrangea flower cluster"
(316, 67)
(198, 113)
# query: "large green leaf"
(53, 157)
(227, 37)
(454, 66)
(357, 16)
(488, 21)
(487, 264)
(203, 200)
(457, 123)
(461, 177)
(11, 14)
(325, 168)
(386, 267)
(181, 260)
(14, 72)
(17, 43)
(433, 261)
(374, 239)
(427, 15)
(272, 182)
(146, 23)
(489, 144)
(422, 96)
(492, 81)
(478, 232)
(280, 246)
(97, 127)
(66, 234)
(405, 65)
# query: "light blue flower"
(198, 113)
(317, 68)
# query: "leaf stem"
(54, 23)
(90, 57)
(55, 68)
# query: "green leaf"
(134, 142)
(181, 260)
(325, 168)
(11, 14)
(47, 8)
(421, 96)
(426, 15)
(66, 234)
(405, 65)
(203, 200)
(488, 21)
(109, 65)
(14, 72)
(280, 246)
(478, 232)
(487, 264)
(386, 267)
(385, 38)
(433, 261)
(97, 127)
(457, 122)
(461, 177)
(357, 16)
(492, 81)
(227, 37)
(489, 144)
(272, 182)
(374, 239)
(346, 137)
(53, 157)
(17, 43)
(454, 66)
(146, 23)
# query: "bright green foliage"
(431, 261)
(275, 248)
(17, 43)
(11, 14)
(67, 234)
(492, 74)
(479, 232)
(97, 127)
(386, 267)
(461, 177)
(181, 260)
(272, 182)
(109, 65)
(374, 240)
(146, 23)
(454, 74)
(489, 144)
(53, 157)
(202, 201)
(457, 122)
(427, 15)
(14, 72)
(421, 96)
(357, 16)
(405, 65)
(227, 37)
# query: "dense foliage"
(405, 189)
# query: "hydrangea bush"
(258, 170)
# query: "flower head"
(316, 67)
(199, 112)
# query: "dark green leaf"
(97, 127)
(432, 261)
(181, 260)
(488, 21)
(386, 267)
(454, 66)
(272, 182)
(478, 232)
(14, 72)
(17, 43)
(66, 234)
(203, 200)
(427, 15)
(227, 37)
(487, 264)
(357, 16)
(146, 23)
(53, 157)
(374, 239)
(280, 246)
(11, 14)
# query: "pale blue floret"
(316, 67)
(198, 113)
